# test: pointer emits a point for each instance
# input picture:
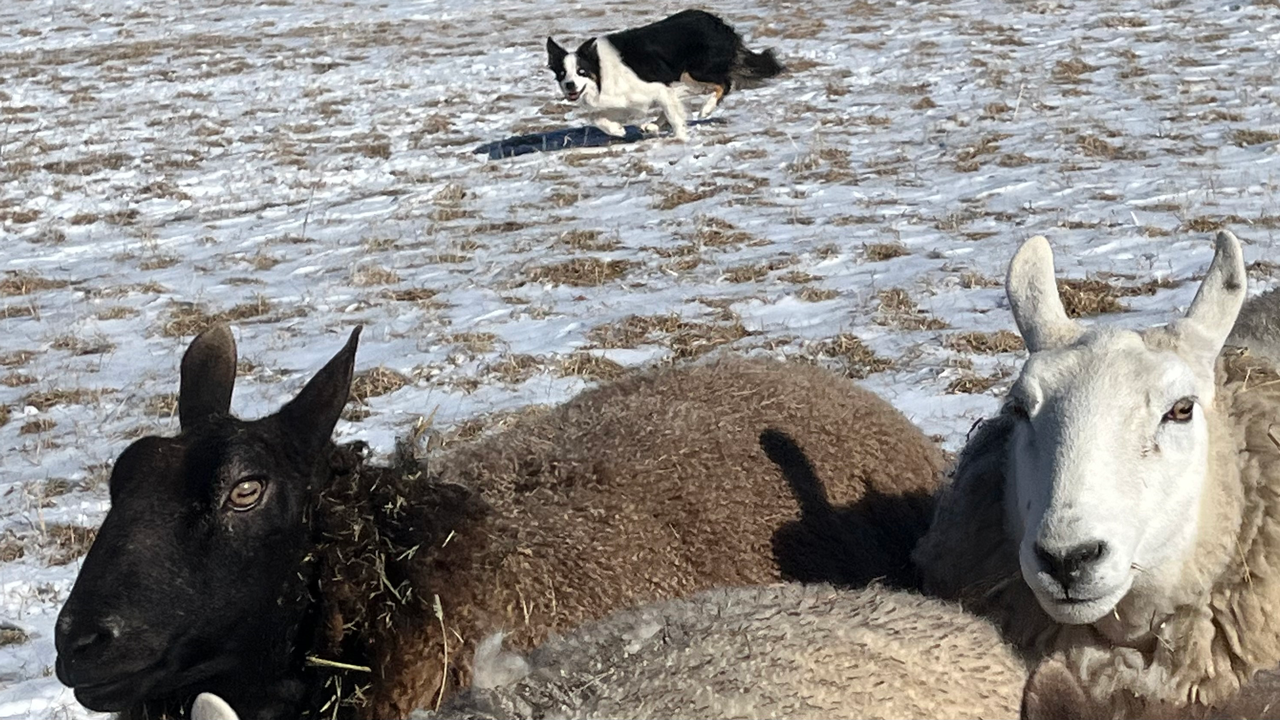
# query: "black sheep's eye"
(1017, 408)
(1181, 411)
(245, 495)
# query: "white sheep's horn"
(1033, 295)
(211, 707)
(1217, 303)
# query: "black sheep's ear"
(208, 376)
(555, 53)
(311, 415)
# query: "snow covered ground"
(302, 166)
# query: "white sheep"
(1124, 507)
(780, 651)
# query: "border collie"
(625, 74)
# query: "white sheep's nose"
(1069, 566)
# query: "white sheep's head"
(1110, 448)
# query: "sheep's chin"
(1081, 612)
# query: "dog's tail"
(752, 68)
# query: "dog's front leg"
(611, 126)
(673, 110)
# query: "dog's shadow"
(868, 540)
(578, 137)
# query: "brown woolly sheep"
(253, 561)
(1122, 508)
(781, 651)
(1053, 692)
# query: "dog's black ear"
(555, 53)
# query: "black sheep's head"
(193, 583)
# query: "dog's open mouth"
(572, 95)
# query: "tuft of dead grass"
(897, 309)
(44, 400)
(26, 283)
(1245, 137)
(854, 358)
(368, 275)
(1096, 296)
(588, 241)
(580, 272)
(12, 636)
(37, 426)
(685, 338)
(376, 382)
(670, 197)
(971, 383)
(185, 319)
(66, 543)
(590, 366)
(984, 343)
(879, 252)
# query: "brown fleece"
(649, 488)
(1209, 644)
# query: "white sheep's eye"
(1181, 411)
(245, 495)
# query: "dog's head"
(577, 73)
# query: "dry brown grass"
(367, 275)
(685, 338)
(1096, 296)
(4, 415)
(1246, 137)
(44, 400)
(754, 272)
(162, 405)
(17, 379)
(1096, 147)
(714, 232)
(82, 346)
(1072, 71)
(515, 368)
(670, 197)
(588, 241)
(971, 383)
(590, 366)
(12, 636)
(186, 319)
(970, 279)
(878, 252)
(984, 343)
(474, 342)
(11, 548)
(855, 359)
(376, 382)
(37, 426)
(65, 543)
(816, 294)
(25, 283)
(580, 272)
(897, 309)
(16, 358)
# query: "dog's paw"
(650, 128)
(614, 129)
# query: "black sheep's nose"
(77, 639)
(1070, 565)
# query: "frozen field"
(301, 166)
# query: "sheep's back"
(766, 652)
(656, 486)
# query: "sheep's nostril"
(87, 639)
(1068, 566)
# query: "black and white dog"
(625, 74)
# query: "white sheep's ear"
(211, 707)
(1217, 303)
(1033, 295)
